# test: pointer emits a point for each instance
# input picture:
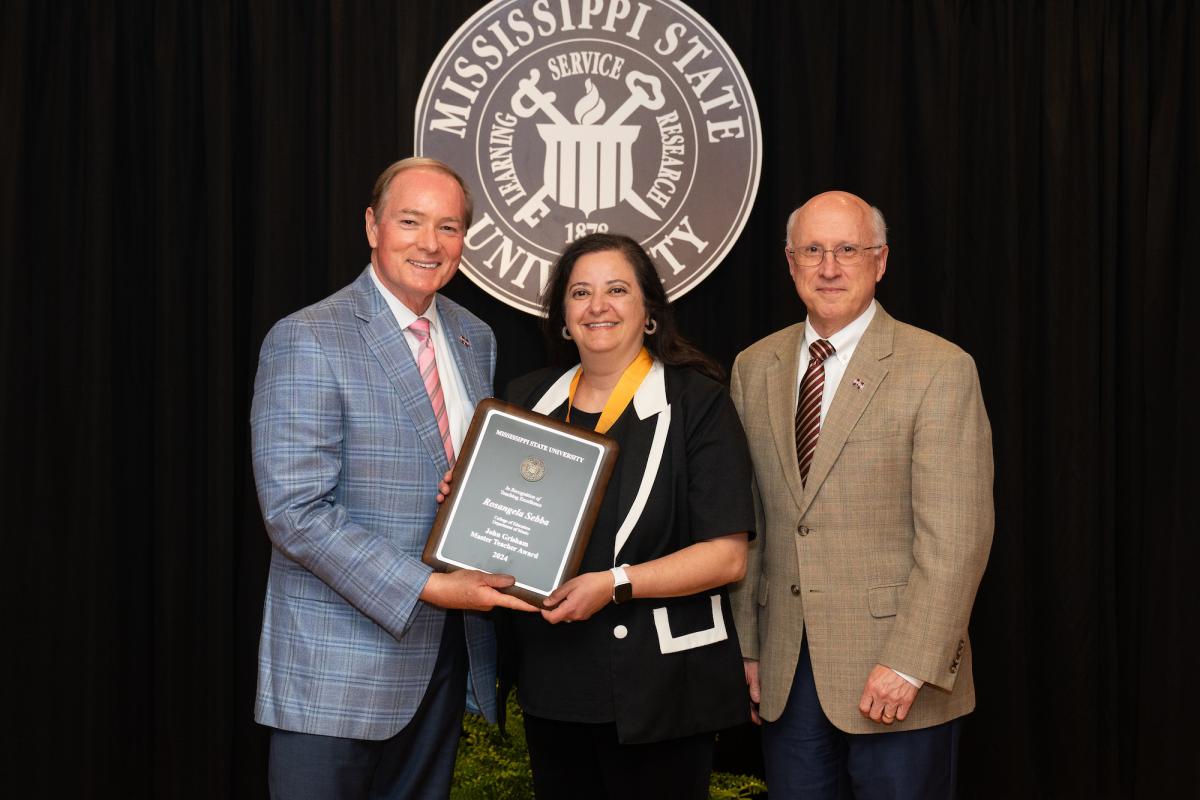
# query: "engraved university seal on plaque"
(533, 469)
(569, 117)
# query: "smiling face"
(604, 308)
(417, 237)
(836, 295)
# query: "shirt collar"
(650, 398)
(845, 340)
(403, 314)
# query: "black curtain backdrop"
(175, 177)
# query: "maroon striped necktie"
(808, 409)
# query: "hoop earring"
(651, 327)
(566, 334)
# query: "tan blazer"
(881, 553)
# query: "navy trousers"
(807, 758)
(418, 762)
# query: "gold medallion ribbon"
(621, 395)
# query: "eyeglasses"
(845, 254)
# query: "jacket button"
(795, 590)
(620, 632)
(802, 530)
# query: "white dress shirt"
(458, 406)
(844, 342)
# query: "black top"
(592, 671)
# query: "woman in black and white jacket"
(625, 700)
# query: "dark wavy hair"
(665, 344)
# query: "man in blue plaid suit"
(365, 655)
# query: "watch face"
(623, 593)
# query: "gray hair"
(877, 222)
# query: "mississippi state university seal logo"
(533, 469)
(570, 117)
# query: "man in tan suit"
(873, 469)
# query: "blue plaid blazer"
(347, 458)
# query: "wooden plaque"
(527, 489)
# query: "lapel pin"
(857, 383)
(464, 341)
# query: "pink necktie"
(808, 409)
(427, 366)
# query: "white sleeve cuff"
(909, 678)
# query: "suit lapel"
(460, 346)
(642, 447)
(386, 342)
(862, 379)
(782, 381)
(557, 394)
